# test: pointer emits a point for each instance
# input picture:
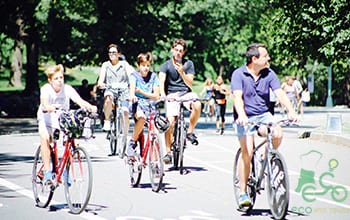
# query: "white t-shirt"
(60, 100)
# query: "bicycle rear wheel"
(278, 186)
(113, 135)
(42, 193)
(121, 135)
(250, 185)
(78, 181)
(155, 163)
(135, 167)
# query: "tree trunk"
(347, 88)
(16, 66)
(32, 78)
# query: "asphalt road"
(206, 192)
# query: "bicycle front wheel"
(78, 180)
(113, 135)
(250, 185)
(155, 163)
(42, 193)
(278, 186)
(121, 135)
(182, 143)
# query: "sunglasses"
(113, 52)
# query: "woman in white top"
(114, 76)
(54, 95)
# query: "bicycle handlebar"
(285, 122)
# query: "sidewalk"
(313, 124)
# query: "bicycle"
(118, 134)
(74, 167)
(272, 165)
(149, 152)
(180, 130)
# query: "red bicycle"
(149, 152)
(74, 167)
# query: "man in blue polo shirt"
(250, 85)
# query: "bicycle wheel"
(175, 146)
(42, 193)
(135, 167)
(113, 134)
(250, 185)
(78, 181)
(155, 163)
(121, 135)
(182, 143)
(278, 186)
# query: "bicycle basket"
(72, 123)
(161, 123)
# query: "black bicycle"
(269, 162)
(118, 132)
(180, 130)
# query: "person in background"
(220, 92)
(144, 86)
(54, 95)
(272, 102)
(114, 75)
(85, 91)
(208, 94)
(176, 76)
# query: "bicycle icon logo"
(308, 187)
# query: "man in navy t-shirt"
(250, 85)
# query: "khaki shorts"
(173, 107)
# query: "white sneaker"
(106, 125)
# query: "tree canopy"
(303, 37)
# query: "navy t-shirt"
(174, 82)
(256, 94)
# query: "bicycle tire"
(251, 190)
(175, 146)
(182, 143)
(113, 134)
(135, 167)
(278, 186)
(155, 163)
(78, 181)
(121, 135)
(42, 194)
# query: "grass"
(72, 77)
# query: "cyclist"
(54, 95)
(114, 74)
(250, 87)
(208, 91)
(176, 77)
(144, 85)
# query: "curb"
(330, 138)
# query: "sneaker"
(217, 131)
(106, 125)
(222, 131)
(244, 200)
(131, 152)
(48, 176)
(64, 174)
(167, 158)
(193, 138)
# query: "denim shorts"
(251, 130)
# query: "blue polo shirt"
(256, 95)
